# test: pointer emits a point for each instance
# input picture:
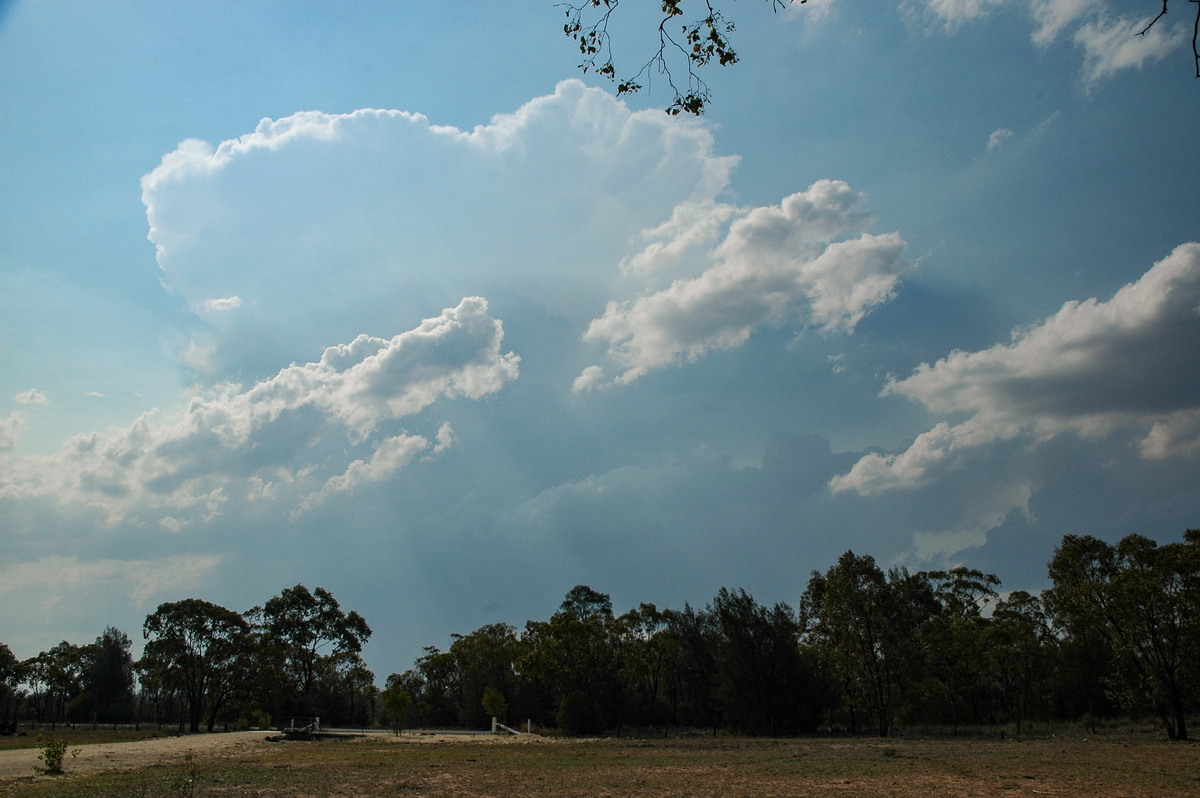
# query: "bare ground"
(142, 754)
(505, 767)
(102, 757)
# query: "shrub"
(52, 755)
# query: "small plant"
(52, 755)
(184, 783)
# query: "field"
(1074, 764)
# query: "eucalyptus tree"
(484, 659)
(107, 675)
(952, 639)
(1017, 650)
(764, 683)
(1144, 600)
(577, 654)
(199, 651)
(865, 625)
(693, 673)
(314, 641)
(12, 673)
(649, 649)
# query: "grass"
(1098, 767)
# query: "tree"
(952, 639)
(865, 625)
(484, 660)
(494, 704)
(696, 42)
(649, 650)
(576, 653)
(1017, 648)
(692, 672)
(55, 679)
(12, 672)
(397, 705)
(108, 677)
(1195, 31)
(197, 650)
(763, 679)
(1144, 600)
(315, 641)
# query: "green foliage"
(314, 648)
(1143, 601)
(54, 751)
(866, 626)
(579, 714)
(495, 704)
(199, 651)
(397, 708)
(762, 677)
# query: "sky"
(391, 299)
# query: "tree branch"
(696, 44)
(1195, 30)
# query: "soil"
(469, 766)
(101, 757)
(127, 756)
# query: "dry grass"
(378, 765)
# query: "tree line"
(296, 656)
(864, 650)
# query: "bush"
(52, 755)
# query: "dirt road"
(100, 757)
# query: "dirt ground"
(102, 757)
(127, 756)
(470, 766)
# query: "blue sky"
(392, 300)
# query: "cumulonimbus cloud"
(324, 225)
(284, 430)
(792, 262)
(1130, 364)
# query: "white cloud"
(8, 430)
(52, 582)
(320, 223)
(1055, 16)
(199, 357)
(31, 397)
(1110, 42)
(224, 304)
(998, 137)
(953, 13)
(589, 378)
(1177, 435)
(390, 456)
(1110, 45)
(692, 227)
(186, 465)
(444, 439)
(1130, 364)
(777, 264)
